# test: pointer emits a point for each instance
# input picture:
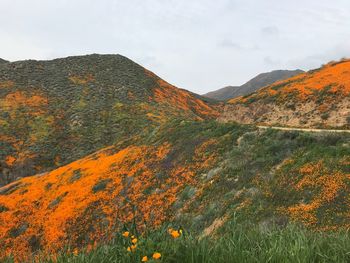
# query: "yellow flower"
(129, 249)
(132, 236)
(75, 252)
(170, 230)
(181, 231)
(134, 241)
(175, 234)
(156, 255)
(133, 247)
(126, 234)
(144, 259)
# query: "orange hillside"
(82, 203)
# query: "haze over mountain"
(252, 85)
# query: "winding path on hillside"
(301, 129)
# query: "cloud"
(339, 51)
(149, 61)
(271, 61)
(227, 43)
(21, 47)
(198, 45)
(270, 31)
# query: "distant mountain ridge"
(318, 98)
(252, 85)
(3, 61)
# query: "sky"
(199, 45)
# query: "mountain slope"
(252, 85)
(2, 61)
(222, 94)
(188, 173)
(318, 98)
(132, 151)
(54, 112)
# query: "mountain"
(252, 85)
(318, 98)
(114, 148)
(55, 112)
(2, 61)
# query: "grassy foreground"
(234, 243)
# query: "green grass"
(248, 166)
(235, 243)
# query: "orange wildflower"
(175, 233)
(157, 255)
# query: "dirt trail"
(301, 129)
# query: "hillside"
(199, 175)
(113, 147)
(252, 85)
(55, 112)
(317, 99)
(3, 61)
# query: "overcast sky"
(199, 45)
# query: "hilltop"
(55, 112)
(316, 99)
(252, 85)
